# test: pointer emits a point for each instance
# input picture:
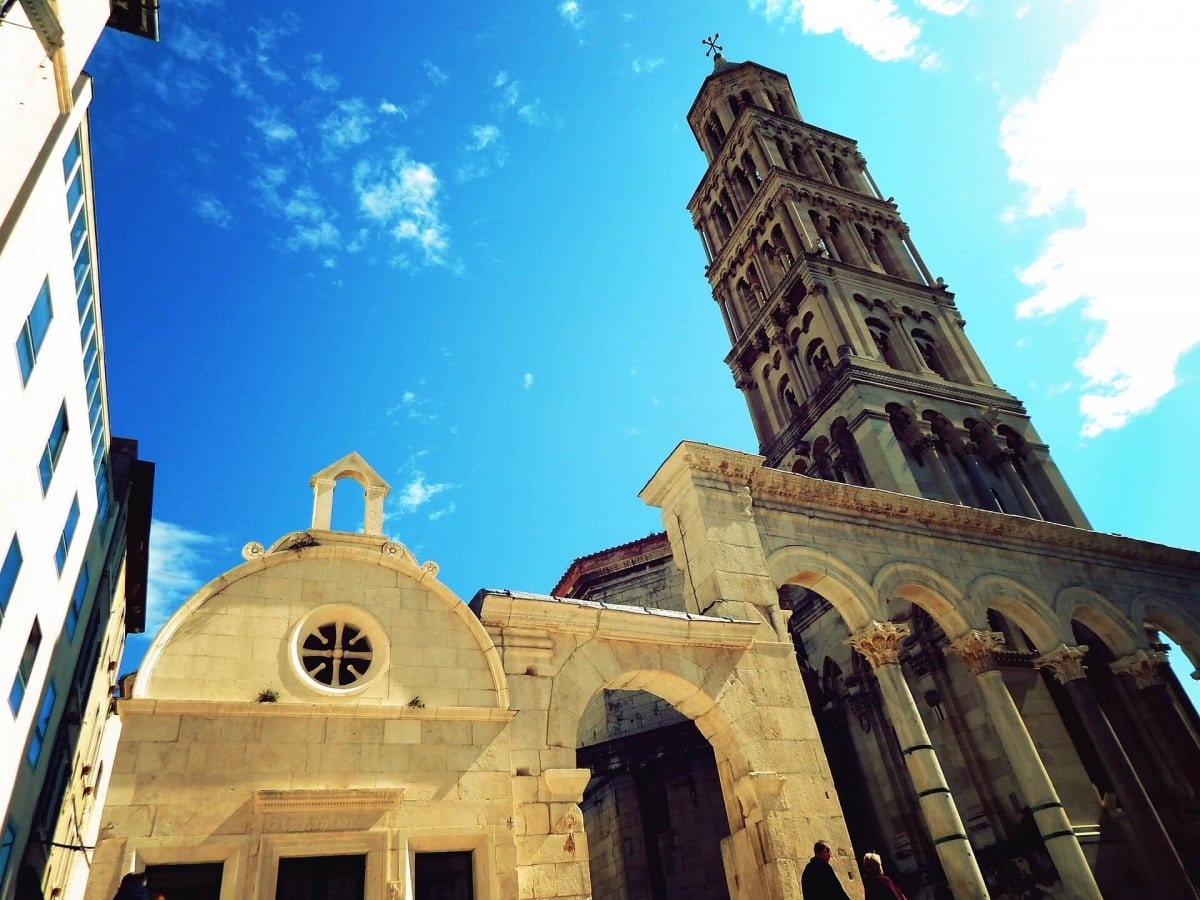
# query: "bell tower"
(852, 358)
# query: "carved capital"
(1066, 663)
(879, 642)
(1143, 666)
(977, 650)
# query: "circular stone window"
(339, 648)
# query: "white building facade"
(73, 500)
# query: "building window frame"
(41, 725)
(16, 694)
(68, 535)
(54, 447)
(9, 573)
(33, 331)
(78, 596)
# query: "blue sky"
(454, 239)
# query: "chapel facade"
(891, 629)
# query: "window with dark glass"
(54, 445)
(321, 878)
(68, 535)
(8, 840)
(25, 668)
(41, 726)
(443, 876)
(33, 333)
(77, 597)
(187, 881)
(8, 574)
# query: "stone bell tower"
(852, 358)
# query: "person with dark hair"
(819, 881)
(878, 886)
(133, 887)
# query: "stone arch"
(846, 590)
(354, 467)
(389, 555)
(1101, 616)
(1157, 612)
(1022, 607)
(923, 587)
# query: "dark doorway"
(194, 881)
(321, 878)
(443, 876)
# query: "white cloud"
(435, 75)
(213, 211)
(1074, 146)
(646, 66)
(482, 136)
(877, 26)
(570, 11)
(417, 492)
(391, 109)
(945, 7)
(532, 114)
(179, 560)
(527, 380)
(318, 76)
(500, 80)
(348, 125)
(444, 511)
(404, 195)
(272, 128)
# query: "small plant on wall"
(267, 695)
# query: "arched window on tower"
(782, 149)
(838, 171)
(849, 460)
(751, 169)
(882, 336)
(872, 257)
(928, 349)
(735, 104)
(722, 220)
(727, 204)
(788, 403)
(841, 241)
(816, 357)
(888, 258)
(744, 188)
(748, 299)
(783, 252)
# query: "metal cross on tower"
(713, 46)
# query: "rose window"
(336, 654)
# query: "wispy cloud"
(180, 563)
(273, 128)
(318, 76)
(571, 13)
(412, 406)
(348, 125)
(435, 75)
(527, 380)
(646, 66)
(403, 194)
(213, 211)
(483, 136)
(1062, 148)
(417, 492)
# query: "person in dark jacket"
(133, 887)
(877, 885)
(819, 881)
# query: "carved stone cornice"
(324, 799)
(977, 650)
(1143, 666)
(1066, 663)
(880, 643)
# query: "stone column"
(976, 649)
(1161, 861)
(880, 644)
(1168, 732)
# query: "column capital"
(977, 650)
(1066, 663)
(879, 642)
(1143, 666)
